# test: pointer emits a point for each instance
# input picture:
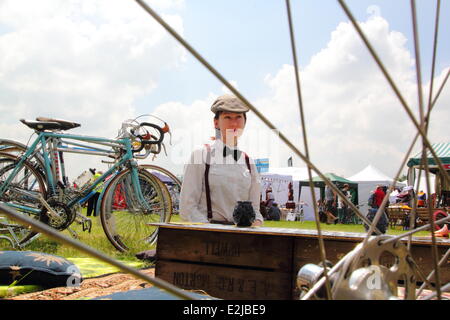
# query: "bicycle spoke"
(394, 88)
(126, 216)
(305, 145)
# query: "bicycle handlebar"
(146, 139)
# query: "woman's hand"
(257, 223)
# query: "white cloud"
(352, 116)
(81, 60)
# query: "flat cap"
(229, 103)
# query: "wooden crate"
(227, 282)
(225, 265)
(257, 263)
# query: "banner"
(262, 165)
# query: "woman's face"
(231, 125)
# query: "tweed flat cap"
(229, 103)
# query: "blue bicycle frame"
(51, 165)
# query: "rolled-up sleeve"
(191, 191)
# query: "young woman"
(219, 175)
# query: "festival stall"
(278, 184)
(280, 178)
(441, 187)
(368, 179)
(335, 179)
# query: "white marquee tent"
(279, 179)
(368, 179)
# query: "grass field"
(98, 240)
(95, 239)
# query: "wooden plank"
(279, 232)
(226, 282)
(307, 251)
(266, 252)
(423, 257)
(287, 232)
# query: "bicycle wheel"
(172, 183)
(17, 149)
(125, 219)
(22, 193)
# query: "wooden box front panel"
(307, 251)
(423, 256)
(226, 282)
(269, 253)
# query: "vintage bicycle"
(33, 181)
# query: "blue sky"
(101, 62)
(245, 40)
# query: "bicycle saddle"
(43, 123)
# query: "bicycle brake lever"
(170, 137)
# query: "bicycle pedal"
(87, 225)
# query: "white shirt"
(393, 196)
(229, 182)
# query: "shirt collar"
(225, 150)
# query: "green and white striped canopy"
(442, 151)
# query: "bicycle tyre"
(174, 187)
(17, 149)
(23, 190)
(125, 220)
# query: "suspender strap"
(247, 162)
(208, 193)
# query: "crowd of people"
(334, 209)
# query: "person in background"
(421, 199)
(92, 202)
(274, 212)
(330, 205)
(270, 198)
(406, 196)
(393, 195)
(379, 195)
(342, 206)
(375, 201)
(263, 208)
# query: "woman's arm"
(191, 191)
(255, 191)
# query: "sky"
(101, 62)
